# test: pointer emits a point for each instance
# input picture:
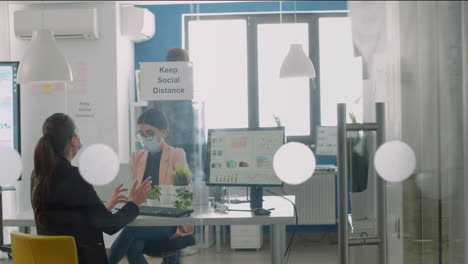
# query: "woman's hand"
(176, 235)
(140, 191)
(117, 197)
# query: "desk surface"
(202, 215)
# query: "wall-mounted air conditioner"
(76, 23)
(138, 24)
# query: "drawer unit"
(246, 236)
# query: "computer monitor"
(9, 105)
(244, 157)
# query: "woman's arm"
(96, 214)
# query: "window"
(236, 70)
(286, 98)
(218, 50)
(341, 72)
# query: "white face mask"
(150, 145)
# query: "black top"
(152, 167)
(74, 209)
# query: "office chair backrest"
(32, 249)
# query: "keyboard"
(164, 211)
(325, 167)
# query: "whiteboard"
(326, 141)
(243, 156)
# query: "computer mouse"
(261, 211)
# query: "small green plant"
(278, 120)
(184, 199)
(181, 176)
(352, 116)
(155, 192)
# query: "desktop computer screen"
(9, 105)
(243, 156)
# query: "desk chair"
(27, 249)
(166, 247)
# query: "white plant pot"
(168, 195)
(153, 202)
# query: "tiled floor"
(306, 249)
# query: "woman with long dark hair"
(65, 204)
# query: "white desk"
(205, 215)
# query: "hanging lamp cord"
(281, 11)
(42, 7)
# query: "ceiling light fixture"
(297, 63)
(43, 61)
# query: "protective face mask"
(150, 145)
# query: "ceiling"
(122, 2)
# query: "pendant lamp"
(297, 64)
(43, 61)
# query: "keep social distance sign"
(166, 81)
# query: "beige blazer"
(170, 158)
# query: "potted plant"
(181, 178)
(153, 196)
(184, 198)
(358, 158)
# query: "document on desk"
(326, 141)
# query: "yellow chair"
(32, 249)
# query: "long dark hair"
(57, 131)
(177, 54)
(153, 117)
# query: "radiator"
(315, 199)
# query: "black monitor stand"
(256, 197)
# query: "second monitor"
(244, 157)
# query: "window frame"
(253, 20)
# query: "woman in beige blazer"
(156, 161)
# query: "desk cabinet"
(246, 236)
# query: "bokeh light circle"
(10, 165)
(98, 164)
(294, 163)
(395, 161)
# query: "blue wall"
(169, 21)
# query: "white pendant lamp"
(297, 64)
(43, 61)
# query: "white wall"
(4, 32)
(125, 84)
(103, 73)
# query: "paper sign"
(326, 141)
(166, 81)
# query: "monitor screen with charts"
(243, 156)
(9, 106)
